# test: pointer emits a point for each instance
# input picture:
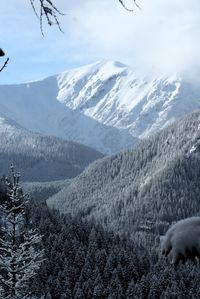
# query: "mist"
(162, 37)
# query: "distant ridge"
(39, 157)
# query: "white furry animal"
(182, 240)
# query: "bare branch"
(136, 4)
(4, 65)
(128, 9)
(48, 11)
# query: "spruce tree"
(20, 253)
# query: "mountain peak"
(104, 105)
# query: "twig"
(128, 9)
(4, 65)
(48, 11)
(136, 4)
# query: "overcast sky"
(162, 37)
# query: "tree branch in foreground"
(128, 9)
(48, 11)
(4, 65)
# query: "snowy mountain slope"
(39, 157)
(103, 105)
(35, 106)
(112, 94)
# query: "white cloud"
(164, 36)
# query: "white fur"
(182, 240)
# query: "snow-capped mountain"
(114, 95)
(104, 105)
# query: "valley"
(109, 161)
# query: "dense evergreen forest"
(84, 261)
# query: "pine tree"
(98, 287)
(20, 253)
(130, 293)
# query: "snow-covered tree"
(20, 252)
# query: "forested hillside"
(143, 188)
(44, 190)
(39, 157)
(84, 261)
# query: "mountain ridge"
(104, 105)
(35, 107)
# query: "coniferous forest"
(119, 257)
(83, 260)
